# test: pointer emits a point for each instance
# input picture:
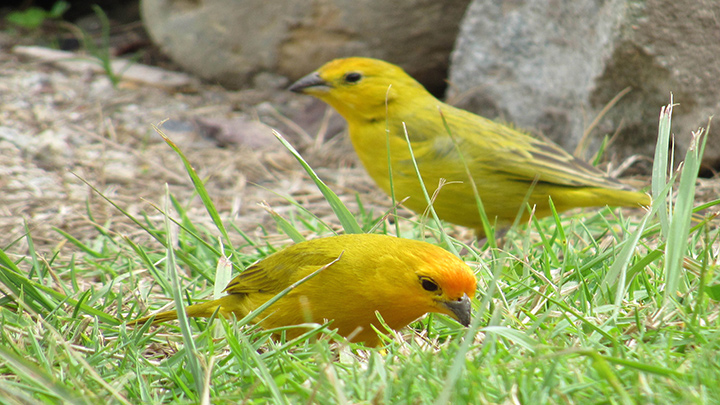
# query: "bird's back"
(507, 166)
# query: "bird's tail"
(202, 310)
(626, 198)
(594, 197)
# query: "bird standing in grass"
(401, 279)
(377, 99)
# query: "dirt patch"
(58, 127)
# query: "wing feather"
(276, 273)
(495, 147)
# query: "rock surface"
(551, 66)
(232, 42)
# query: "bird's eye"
(353, 77)
(428, 284)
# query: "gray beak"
(311, 80)
(461, 309)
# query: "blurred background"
(591, 75)
(547, 66)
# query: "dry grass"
(57, 127)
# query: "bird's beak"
(313, 80)
(461, 309)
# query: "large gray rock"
(231, 42)
(551, 66)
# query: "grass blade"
(199, 186)
(660, 164)
(679, 230)
(190, 350)
(347, 219)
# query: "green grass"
(592, 307)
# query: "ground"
(61, 128)
(546, 324)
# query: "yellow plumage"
(402, 279)
(375, 96)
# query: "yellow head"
(359, 88)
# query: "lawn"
(593, 306)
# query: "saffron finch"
(401, 279)
(507, 165)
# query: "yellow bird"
(399, 278)
(377, 98)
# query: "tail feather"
(228, 306)
(595, 197)
(161, 317)
(626, 198)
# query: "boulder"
(233, 42)
(551, 66)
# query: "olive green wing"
(500, 148)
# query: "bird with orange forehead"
(365, 275)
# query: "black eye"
(428, 284)
(353, 77)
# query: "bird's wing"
(520, 156)
(277, 272)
